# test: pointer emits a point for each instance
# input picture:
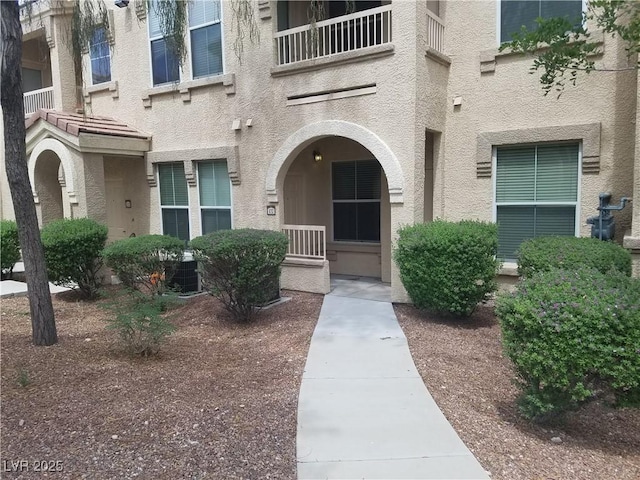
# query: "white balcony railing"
(335, 35)
(435, 32)
(306, 241)
(36, 99)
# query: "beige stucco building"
(340, 134)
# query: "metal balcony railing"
(355, 31)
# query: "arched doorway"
(48, 183)
(344, 177)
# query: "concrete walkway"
(364, 411)
(11, 288)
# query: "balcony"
(346, 33)
(435, 32)
(37, 99)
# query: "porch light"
(317, 156)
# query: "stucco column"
(62, 69)
(92, 195)
(400, 215)
(632, 240)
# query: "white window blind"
(536, 193)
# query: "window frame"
(204, 25)
(152, 39)
(499, 18)
(207, 207)
(106, 41)
(332, 202)
(494, 180)
(174, 207)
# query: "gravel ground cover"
(463, 367)
(219, 402)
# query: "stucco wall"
(498, 94)
(203, 117)
(402, 92)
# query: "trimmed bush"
(73, 253)
(140, 322)
(448, 267)
(572, 336)
(145, 263)
(241, 267)
(569, 253)
(9, 245)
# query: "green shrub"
(73, 253)
(572, 335)
(569, 253)
(9, 245)
(448, 267)
(139, 321)
(146, 263)
(241, 267)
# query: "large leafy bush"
(448, 267)
(568, 253)
(241, 267)
(146, 263)
(9, 245)
(572, 335)
(73, 253)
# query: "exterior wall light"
(317, 156)
(122, 3)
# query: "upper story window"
(205, 43)
(206, 37)
(356, 201)
(514, 14)
(100, 56)
(165, 66)
(536, 193)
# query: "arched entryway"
(52, 178)
(344, 177)
(48, 183)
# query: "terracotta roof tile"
(75, 124)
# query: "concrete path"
(360, 287)
(11, 288)
(364, 411)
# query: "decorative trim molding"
(353, 56)
(141, 9)
(228, 81)
(489, 58)
(588, 134)
(438, 57)
(66, 164)
(111, 31)
(101, 87)
(264, 9)
(49, 33)
(309, 133)
(188, 157)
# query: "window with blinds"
(164, 63)
(215, 196)
(100, 57)
(174, 200)
(356, 201)
(206, 38)
(536, 193)
(514, 14)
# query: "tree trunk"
(42, 319)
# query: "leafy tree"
(562, 47)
